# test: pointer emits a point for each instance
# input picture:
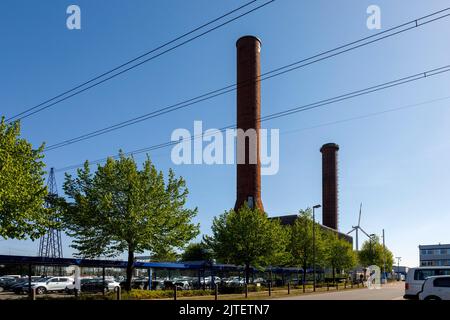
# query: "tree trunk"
(334, 275)
(247, 273)
(130, 268)
(304, 278)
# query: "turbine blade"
(364, 232)
(359, 219)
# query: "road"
(393, 291)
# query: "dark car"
(139, 283)
(12, 285)
(94, 285)
(22, 286)
(6, 283)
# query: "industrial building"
(434, 255)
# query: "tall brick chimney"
(330, 185)
(248, 117)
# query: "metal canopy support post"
(104, 282)
(149, 278)
(29, 280)
(213, 280)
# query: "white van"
(416, 277)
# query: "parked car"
(15, 276)
(234, 282)
(416, 277)
(435, 288)
(45, 285)
(261, 281)
(137, 283)
(94, 285)
(12, 284)
(183, 284)
(158, 285)
(207, 280)
(5, 283)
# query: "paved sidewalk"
(392, 291)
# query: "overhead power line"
(290, 111)
(265, 76)
(82, 87)
(366, 116)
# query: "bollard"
(75, 291)
(246, 290)
(345, 284)
(175, 293)
(270, 289)
(351, 284)
(216, 292)
(118, 293)
(337, 286)
(328, 286)
(33, 294)
(289, 288)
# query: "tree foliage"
(22, 189)
(301, 247)
(197, 252)
(339, 254)
(167, 254)
(122, 209)
(247, 237)
(373, 253)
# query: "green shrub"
(163, 294)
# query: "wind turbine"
(357, 228)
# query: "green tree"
(167, 254)
(246, 237)
(373, 253)
(301, 242)
(22, 189)
(339, 254)
(122, 209)
(196, 252)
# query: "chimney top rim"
(248, 37)
(329, 146)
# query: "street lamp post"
(314, 245)
(398, 267)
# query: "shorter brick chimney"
(330, 207)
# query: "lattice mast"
(50, 244)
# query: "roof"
(193, 265)
(434, 246)
(288, 220)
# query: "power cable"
(324, 102)
(42, 106)
(265, 76)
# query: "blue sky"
(395, 163)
